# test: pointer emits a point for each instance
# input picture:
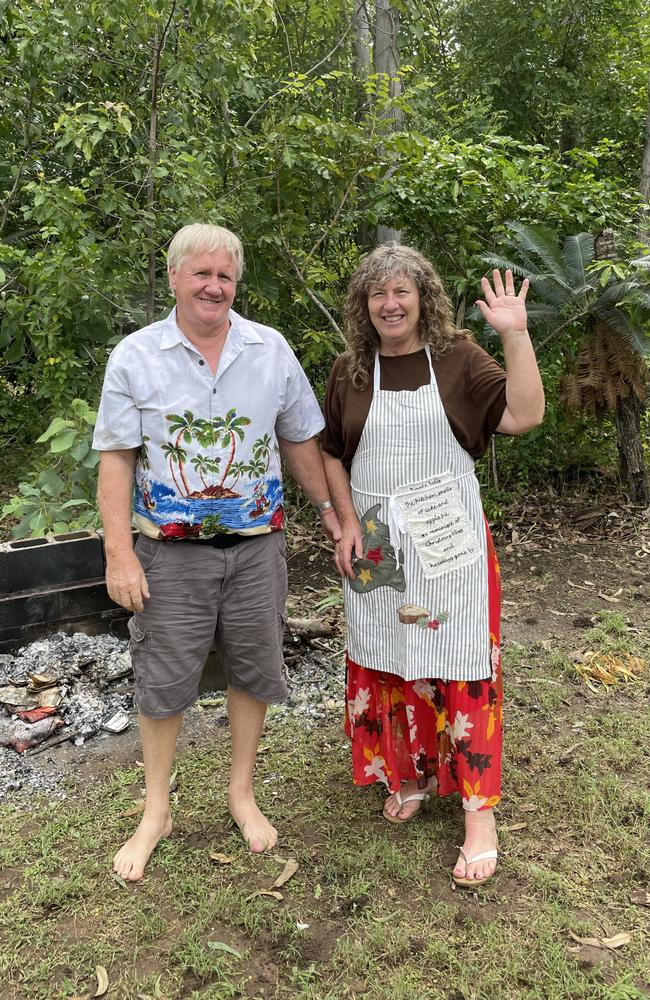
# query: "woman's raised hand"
(503, 308)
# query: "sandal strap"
(415, 797)
(484, 856)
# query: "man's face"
(205, 288)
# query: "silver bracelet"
(323, 507)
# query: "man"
(196, 409)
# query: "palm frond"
(578, 253)
(503, 264)
(542, 244)
(552, 291)
(643, 263)
(616, 291)
(619, 322)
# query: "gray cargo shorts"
(199, 593)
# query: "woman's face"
(394, 308)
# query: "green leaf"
(222, 946)
(57, 425)
(63, 441)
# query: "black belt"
(219, 541)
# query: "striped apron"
(418, 604)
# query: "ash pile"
(66, 687)
(71, 688)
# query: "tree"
(609, 311)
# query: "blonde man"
(196, 411)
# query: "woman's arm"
(505, 311)
(350, 543)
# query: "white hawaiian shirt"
(208, 458)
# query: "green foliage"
(61, 496)
(262, 124)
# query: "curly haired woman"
(409, 407)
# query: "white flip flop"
(484, 856)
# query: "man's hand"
(350, 544)
(126, 582)
(330, 524)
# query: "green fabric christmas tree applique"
(379, 566)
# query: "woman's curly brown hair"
(436, 325)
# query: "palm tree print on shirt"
(223, 432)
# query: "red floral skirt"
(446, 735)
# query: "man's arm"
(305, 464)
(125, 579)
(350, 542)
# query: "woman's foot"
(473, 866)
(131, 859)
(402, 806)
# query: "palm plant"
(611, 310)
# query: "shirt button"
(201, 361)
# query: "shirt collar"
(241, 332)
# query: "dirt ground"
(562, 562)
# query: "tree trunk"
(387, 63)
(644, 214)
(365, 235)
(631, 463)
(629, 441)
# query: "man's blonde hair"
(202, 237)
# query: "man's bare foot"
(407, 810)
(255, 828)
(132, 857)
(480, 836)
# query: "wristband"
(323, 507)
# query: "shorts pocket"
(138, 648)
(148, 551)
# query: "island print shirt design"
(223, 491)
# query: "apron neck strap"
(377, 374)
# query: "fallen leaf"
(136, 808)
(265, 892)
(223, 859)
(517, 826)
(528, 807)
(609, 597)
(641, 897)
(290, 870)
(222, 946)
(102, 981)
(173, 782)
(618, 941)
(119, 880)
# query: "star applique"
(371, 527)
(365, 576)
(374, 555)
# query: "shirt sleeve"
(119, 424)
(300, 417)
(331, 439)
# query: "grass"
(383, 919)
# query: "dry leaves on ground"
(611, 943)
(609, 668)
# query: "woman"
(408, 407)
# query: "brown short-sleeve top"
(472, 388)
